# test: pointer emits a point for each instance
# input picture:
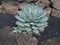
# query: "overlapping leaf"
(31, 19)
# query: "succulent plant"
(31, 19)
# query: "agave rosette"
(31, 19)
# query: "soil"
(51, 34)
